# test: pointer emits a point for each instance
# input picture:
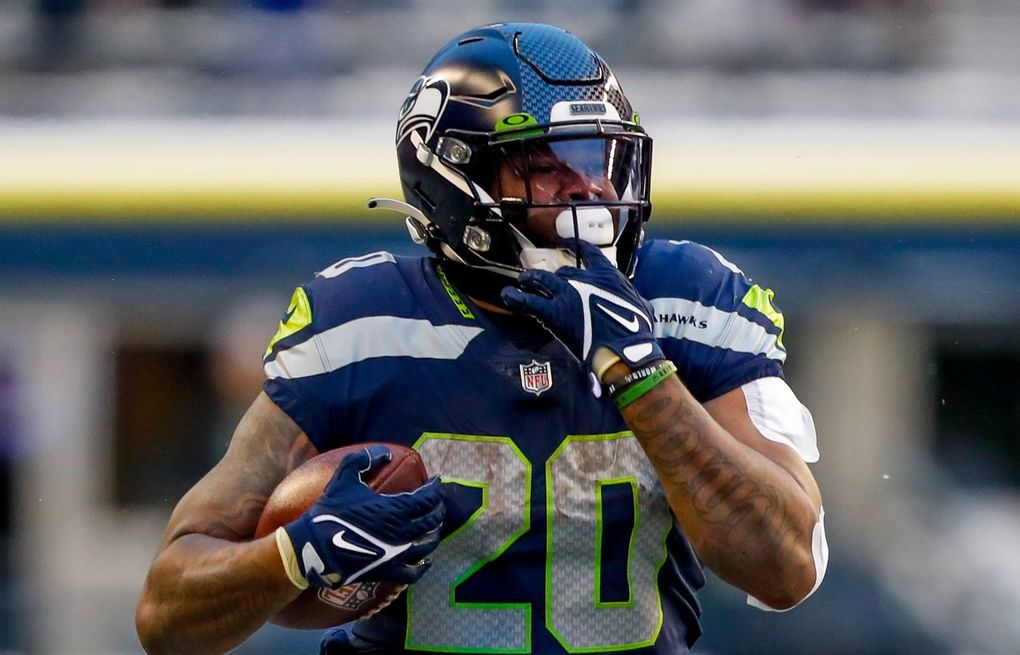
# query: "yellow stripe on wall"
(249, 170)
(329, 205)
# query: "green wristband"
(644, 385)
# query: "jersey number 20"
(575, 475)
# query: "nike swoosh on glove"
(353, 533)
(589, 308)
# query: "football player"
(606, 414)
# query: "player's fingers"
(378, 454)
(422, 506)
(349, 471)
(429, 509)
(526, 303)
(428, 493)
(430, 520)
(335, 641)
(591, 255)
(422, 546)
(412, 571)
(416, 519)
(546, 283)
(424, 498)
(353, 465)
(430, 488)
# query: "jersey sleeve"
(295, 379)
(306, 360)
(719, 327)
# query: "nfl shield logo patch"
(536, 377)
(349, 597)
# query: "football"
(324, 608)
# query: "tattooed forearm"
(744, 514)
(282, 453)
(299, 452)
(212, 584)
(237, 525)
(252, 492)
(266, 446)
(718, 488)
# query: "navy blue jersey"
(558, 536)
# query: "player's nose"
(579, 185)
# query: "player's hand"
(353, 533)
(589, 308)
(343, 641)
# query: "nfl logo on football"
(536, 377)
(349, 597)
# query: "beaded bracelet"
(629, 394)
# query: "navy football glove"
(353, 533)
(589, 308)
(343, 641)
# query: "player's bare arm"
(747, 504)
(209, 587)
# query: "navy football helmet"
(536, 101)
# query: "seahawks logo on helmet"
(425, 103)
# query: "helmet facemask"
(501, 122)
(535, 186)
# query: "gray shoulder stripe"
(368, 338)
(681, 318)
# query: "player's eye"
(542, 169)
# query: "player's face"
(557, 172)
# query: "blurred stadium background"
(171, 169)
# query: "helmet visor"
(587, 185)
(564, 171)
